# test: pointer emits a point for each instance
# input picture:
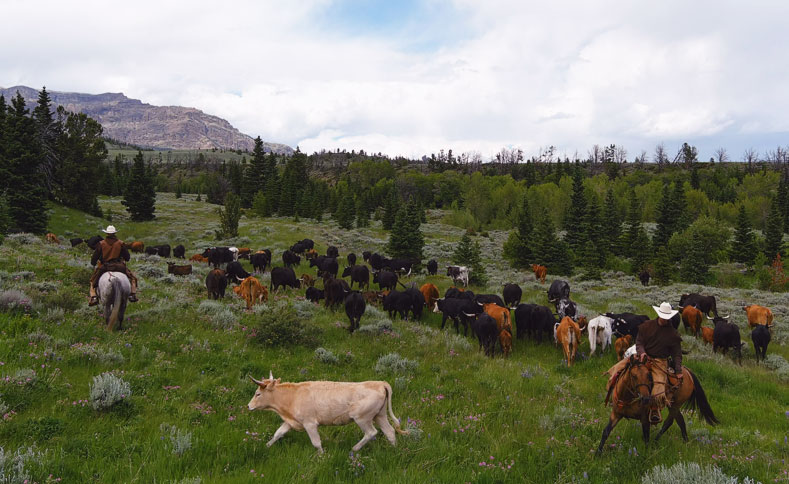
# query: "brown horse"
(631, 398)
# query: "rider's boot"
(133, 295)
(655, 416)
(94, 298)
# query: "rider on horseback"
(658, 340)
(111, 256)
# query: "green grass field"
(527, 418)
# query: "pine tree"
(663, 269)
(259, 205)
(21, 181)
(81, 153)
(5, 216)
(744, 247)
(468, 254)
(548, 249)
(229, 217)
(272, 185)
(783, 199)
(362, 215)
(254, 174)
(291, 187)
(641, 250)
(593, 252)
(390, 209)
(518, 246)
(679, 208)
(406, 240)
(49, 132)
(236, 177)
(694, 178)
(665, 217)
(694, 266)
(573, 221)
(178, 188)
(345, 210)
(140, 197)
(612, 225)
(773, 231)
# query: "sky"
(412, 77)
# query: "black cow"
(236, 273)
(726, 335)
(354, 308)
(162, 250)
(399, 265)
(298, 248)
(260, 261)
(179, 251)
(385, 280)
(216, 283)
(675, 320)
(282, 277)
(307, 243)
(705, 304)
(327, 266)
(332, 251)
(151, 250)
(290, 259)
(458, 310)
(335, 291)
(218, 255)
(566, 307)
(533, 320)
(366, 255)
(75, 242)
(359, 274)
(397, 302)
(455, 293)
(94, 241)
(512, 295)
(487, 332)
(314, 294)
(417, 301)
(626, 323)
(378, 262)
(761, 338)
(432, 267)
(559, 290)
(644, 276)
(351, 258)
(489, 298)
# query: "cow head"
(720, 319)
(264, 394)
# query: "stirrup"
(133, 297)
(94, 300)
(655, 416)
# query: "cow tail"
(404, 286)
(396, 421)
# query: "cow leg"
(282, 430)
(612, 421)
(386, 427)
(369, 432)
(315, 438)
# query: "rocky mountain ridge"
(165, 127)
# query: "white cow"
(458, 274)
(305, 405)
(600, 333)
(630, 352)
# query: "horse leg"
(612, 421)
(645, 429)
(672, 414)
(681, 424)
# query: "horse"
(631, 397)
(113, 290)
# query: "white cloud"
(567, 73)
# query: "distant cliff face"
(134, 122)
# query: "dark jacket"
(660, 342)
(110, 249)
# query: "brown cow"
(430, 293)
(184, 270)
(243, 252)
(307, 280)
(52, 238)
(706, 335)
(252, 291)
(568, 334)
(622, 344)
(758, 315)
(539, 272)
(198, 258)
(137, 246)
(692, 318)
(371, 297)
(311, 254)
(503, 323)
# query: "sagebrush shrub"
(326, 356)
(690, 472)
(281, 326)
(21, 466)
(778, 364)
(14, 300)
(210, 306)
(107, 390)
(54, 315)
(180, 440)
(224, 319)
(22, 239)
(394, 363)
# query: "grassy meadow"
(527, 418)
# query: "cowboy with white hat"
(659, 341)
(111, 255)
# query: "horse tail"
(698, 399)
(117, 296)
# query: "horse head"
(640, 379)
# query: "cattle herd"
(488, 315)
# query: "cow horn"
(270, 375)
(470, 315)
(257, 382)
(481, 305)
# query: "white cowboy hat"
(664, 311)
(110, 229)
